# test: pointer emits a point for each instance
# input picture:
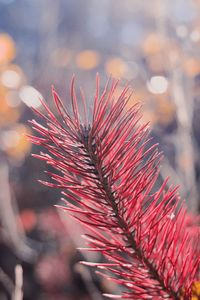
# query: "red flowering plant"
(108, 174)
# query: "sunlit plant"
(108, 173)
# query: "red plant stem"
(109, 171)
(122, 224)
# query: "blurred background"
(155, 45)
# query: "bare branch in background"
(184, 145)
(12, 232)
(18, 293)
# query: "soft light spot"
(11, 79)
(28, 219)
(195, 36)
(153, 44)
(116, 67)
(12, 99)
(14, 141)
(87, 59)
(30, 96)
(182, 31)
(157, 85)
(7, 48)
(191, 66)
(9, 138)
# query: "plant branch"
(109, 175)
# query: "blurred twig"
(12, 233)
(185, 153)
(18, 294)
(185, 156)
(15, 290)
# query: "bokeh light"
(152, 44)
(116, 67)
(14, 141)
(7, 48)
(11, 77)
(88, 59)
(30, 96)
(157, 85)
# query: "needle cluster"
(108, 173)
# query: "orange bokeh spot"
(191, 66)
(116, 67)
(153, 44)
(87, 59)
(17, 145)
(11, 76)
(28, 219)
(7, 48)
(8, 115)
(164, 111)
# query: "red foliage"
(108, 174)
